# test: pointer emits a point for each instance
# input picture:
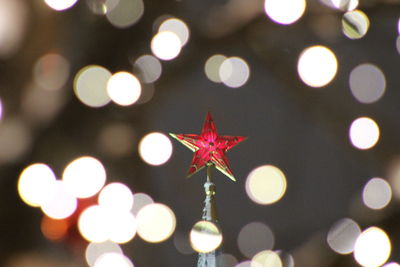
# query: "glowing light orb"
(84, 176)
(212, 66)
(377, 193)
(124, 88)
(60, 5)
(234, 72)
(346, 5)
(364, 133)
(178, 27)
(266, 185)
(166, 45)
(121, 226)
(205, 237)
(284, 11)
(124, 13)
(372, 247)
(61, 204)
(150, 68)
(255, 237)
(317, 66)
(355, 24)
(116, 196)
(155, 148)
(267, 258)
(140, 200)
(93, 224)
(156, 223)
(343, 235)
(113, 259)
(95, 250)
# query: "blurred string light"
(95, 250)
(234, 72)
(254, 237)
(343, 235)
(60, 204)
(156, 222)
(266, 258)
(317, 66)
(116, 196)
(139, 201)
(84, 176)
(364, 133)
(60, 5)
(155, 148)
(117, 139)
(35, 184)
(205, 237)
(15, 140)
(377, 193)
(113, 259)
(284, 11)
(149, 67)
(212, 66)
(51, 71)
(266, 184)
(125, 13)
(372, 247)
(355, 24)
(166, 45)
(90, 86)
(178, 27)
(367, 83)
(124, 88)
(54, 229)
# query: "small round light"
(212, 67)
(124, 88)
(285, 11)
(116, 196)
(155, 148)
(178, 27)
(364, 133)
(124, 13)
(205, 237)
(93, 224)
(234, 72)
(95, 250)
(61, 204)
(166, 45)
(60, 5)
(343, 235)
(255, 237)
(113, 259)
(355, 24)
(149, 67)
(377, 193)
(266, 258)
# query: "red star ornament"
(209, 148)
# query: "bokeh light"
(122, 226)
(35, 184)
(53, 229)
(60, 5)
(95, 250)
(125, 13)
(355, 24)
(155, 148)
(285, 11)
(84, 176)
(116, 196)
(266, 184)
(364, 133)
(149, 67)
(226, 260)
(343, 235)
(156, 222)
(90, 86)
(139, 201)
(124, 88)
(117, 139)
(178, 27)
(317, 66)
(234, 72)
(346, 5)
(372, 247)
(61, 203)
(166, 45)
(113, 259)
(266, 258)
(286, 258)
(93, 224)
(51, 71)
(212, 66)
(377, 193)
(391, 264)
(367, 83)
(255, 237)
(205, 237)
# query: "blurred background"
(90, 89)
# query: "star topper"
(209, 148)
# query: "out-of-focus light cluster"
(284, 11)
(266, 184)
(355, 24)
(372, 248)
(377, 193)
(255, 237)
(155, 148)
(364, 133)
(60, 5)
(367, 83)
(317, 66)
(231, 71)
(205, 236)
(342, 236)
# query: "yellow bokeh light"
(166, 45)
(266, 184)
(113, 259)
(178, 27)
(317, 66)
(60, 5)
(355, 24)
(84, 176)
(93, 224)
(285, 11)
(343, 235)
(51, 71)
(124, 88)
(156, 222)
(116, 196)
(364, 133)
(155, 148)
(95, 250)
(255, 237)
(372, 248)
(61, 203)
(90, 86)
(234, 72)
(212, 66)
(266, 258)
(124, 13)
(377, 193)
(205, 237)
(35, 184)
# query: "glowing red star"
(209, 148)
